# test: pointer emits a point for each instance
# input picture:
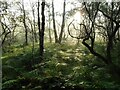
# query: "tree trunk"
(63, 23)
(35, 34)
(41, 31)
(39, 25)
(32, 32)
(25, 26)
(50, 38)
(54, 25)
(4, 33)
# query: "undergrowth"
(64, 66)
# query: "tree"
(109, 23)
(63, 23)
(41, 31)
(54, 24)
(39, 23)
(24, 22)
(49, 21)
(49, 26)
(32, 5)
(8, 25)
(58, 39)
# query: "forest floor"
(68, 67)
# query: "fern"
(11, 84)
(9, 72)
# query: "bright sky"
(58, 4)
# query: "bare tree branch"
(108, 16)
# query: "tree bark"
(63, 23)
(39, 27)
(50, 38)
(25, 26)
(35, 34)
(4, 33)
(54, 24)
(42, 31)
